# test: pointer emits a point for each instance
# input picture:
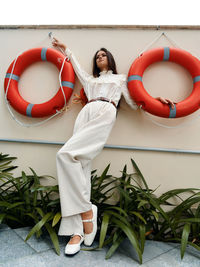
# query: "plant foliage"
(24, 201)
(137, 214)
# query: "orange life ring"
(26, 59)
(83, 96)
(152, 105)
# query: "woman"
(91, 130)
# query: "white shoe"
(89, 238)
(72, 249)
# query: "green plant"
(184, 219)
(5, 167)
(24, 201)
(139, 215)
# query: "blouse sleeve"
(127, 96)
(81, 74)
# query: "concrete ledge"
(126, 27)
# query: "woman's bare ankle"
(74, 239)
(87, 215)
(87, 226)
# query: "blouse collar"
(105, 72)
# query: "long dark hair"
(111, 63)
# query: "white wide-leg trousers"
(91, 130)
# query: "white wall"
(134, 128)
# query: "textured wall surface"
(133, 128)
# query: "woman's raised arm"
(81, 74)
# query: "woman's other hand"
(58, 44)
(166, 101)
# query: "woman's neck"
(103, 69)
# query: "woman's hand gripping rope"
(57, 44)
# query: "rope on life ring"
(152, 105)
(55, 104)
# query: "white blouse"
(108, 85)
